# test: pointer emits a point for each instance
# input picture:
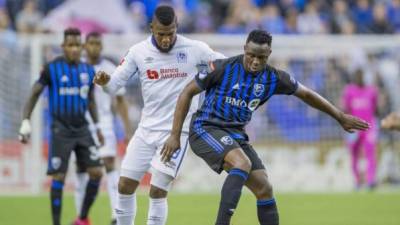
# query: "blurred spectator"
(394, 14)
(231, 26)
(362, 15)
(7, 36)
(380, 24)
(28, 20)
(103, 16)
(340, 16)
(310, 22)
(271, 19)
(291, 21)
(138, 15)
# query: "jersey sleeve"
(286, 84)
(206, 80)
(124, 71)
(44, 78)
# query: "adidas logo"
(236, 86)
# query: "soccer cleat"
(113, 222)
(79, 221)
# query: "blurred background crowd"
(206, 16)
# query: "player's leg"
(108, 152)
(163, 174)
(354, 144)
(370, 142)
(220, 151)
(158, 205)
(135, 164)
(59, 153)
(80, 182)
(88, 156)
(267, 210)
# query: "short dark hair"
(259, 37)
(71, 32)
(94, 34)
(165, 14)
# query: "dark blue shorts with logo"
(63, 141)
(212, 143)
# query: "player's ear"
(151, 27)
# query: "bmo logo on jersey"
(252, 105)
(152, 74)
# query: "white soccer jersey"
(163, 77)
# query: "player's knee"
(156, 192)
(242, 163)
(109, 164)
(265, 191)
(127, 186)
(59, 177)
(95, 173)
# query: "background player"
(108, 152)
(165, 63)
(361, 100)
(69, 82)
(235, 87)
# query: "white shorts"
(144, 151)
(109, 149)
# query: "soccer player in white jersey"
(93, 47)
(165, 63)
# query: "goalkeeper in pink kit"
(360, 100)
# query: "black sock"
(267, 212)
(230, 195)
(90, 195)
(56, 200)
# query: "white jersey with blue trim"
(163, 77)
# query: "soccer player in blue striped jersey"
(70, 86)
(235, 88)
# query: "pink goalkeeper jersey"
(361, 101)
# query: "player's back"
(69, 85)
(361, 101)
(163, 77)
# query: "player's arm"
(25, 129)
(92, 107)
(118, 79)
(122, 109)
(313, 99)
(182, 108)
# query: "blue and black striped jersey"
(69, 88)
(232, 94)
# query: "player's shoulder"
(141, 45)
(277, 71)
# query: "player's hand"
(100, 137)
(170, 147)
(351, 123)
(391, 122)
(25, 131)
(101, 78)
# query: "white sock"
(125, 210)
(81, 181)
(158, 211)
(112, 189)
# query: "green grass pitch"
(200, 209)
